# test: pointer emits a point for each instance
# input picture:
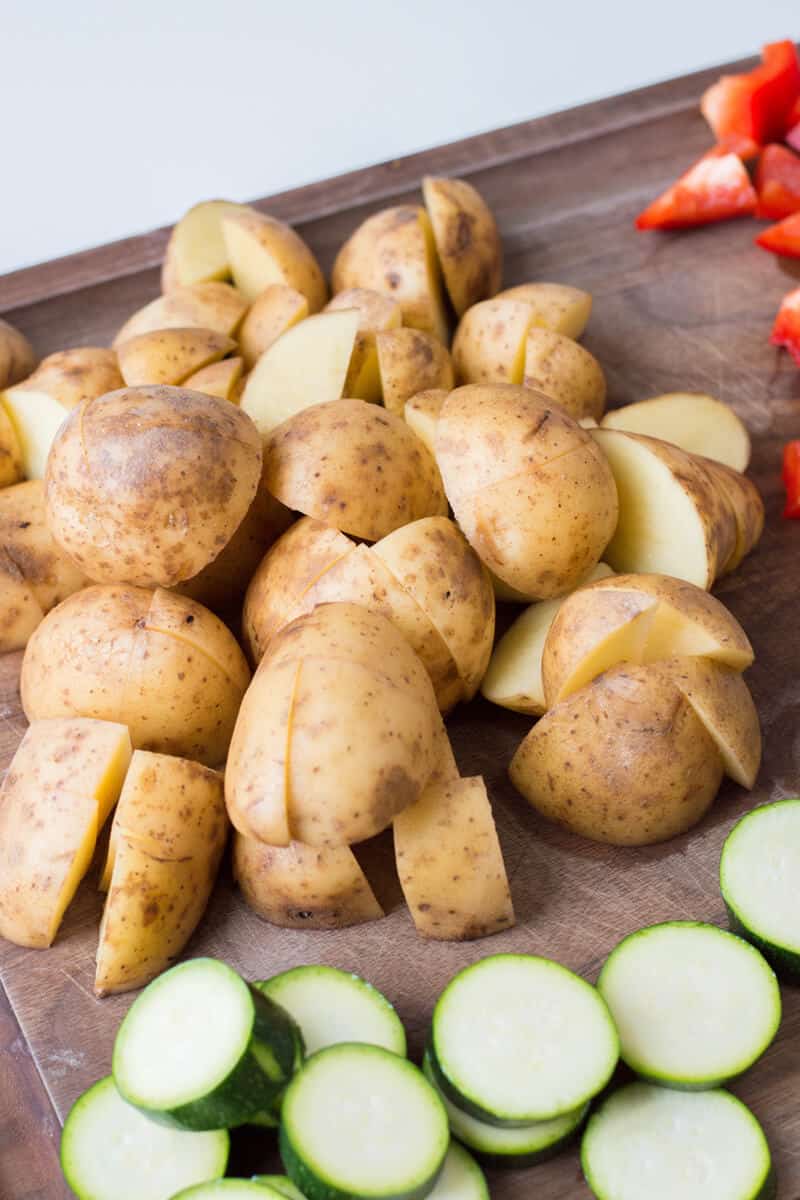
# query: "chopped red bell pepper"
(715, 188)
(734, 143)
(778, 183)
(756, 104)
(786, 330)
(783, 238)
(791, 479)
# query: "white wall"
(114, 117)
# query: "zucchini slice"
(695, 1006)
(231, 1189)
(461, 1178)
(282, 1184)
(521, 1147)
(202, 1049)
(759, 875)
(333, 1006)
(360, 1122)
(111, 1151)
(517, 1039)
(647, 1141)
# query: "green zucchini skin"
(784, 962)
(315, 1188)
(282, 1184)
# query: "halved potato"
(215, 306)
(410, 361)
(60, 788)
(377, 313)
(353, 466)
(17, 358)
(467, 240)
(692, 420)
(220, 379)
(304, 887)
(393, 252)
(307, 365)
(489, 343)
(625, 760)
(560, 368)
(421, 413)
(747, 507)
(11, 466)
(196, 251)
(169, 356)
(262, 250)
(277, 309)
(450, 863)
(167, 840)
(556, 306)
(62, 381)
(722, 701)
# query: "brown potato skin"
(209, 305)
(489, 343)
(17, 358)
(467, 240)
(159, 663)
(411, 361)
(291, 255)
(221, 379)
(11, 470)
(72, 376)
(271, 314)
(722, 701)
(169, 356)
(747, 506)
(565, 371)
(147, 485)
(624, 760)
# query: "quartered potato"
(561, 369)
(261, 250)
(169, 356)
(376, 314)
(220, 379)
(692, 420)
(410, 361)
(275, 310)
(421, 413)
(17, 358)
(215, 306)
(746, 505)
(467, 240)
(556, 306)
(196, 251)
(11, 466)
(722, 701)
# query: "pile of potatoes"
(253, 552)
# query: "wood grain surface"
(671, 312)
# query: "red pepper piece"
(786, 330)
(791, 479)
(756, 104)
(735, 143)
(783, 238)
(778, 183)
(715, 188)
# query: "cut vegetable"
(282, 1184)
(791, 480)
(201, 1049)
(716, 188)
(778, 183)
(759, 873)
(694, 421)
(196, 251)
(694, 1006)
(215, 306)
(333, 1006)
(232, 1189)
(722, 701)
(783, 238)
(111, 1151)
(421, 413)
(517, 1039)
(461, 1178)
(262, 250)
(360, 1122)
(786, 330)
(521, 1147)
(758, 104)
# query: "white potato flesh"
(692, 420)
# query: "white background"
(115, 117)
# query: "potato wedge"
(169, 833)
(159, 663)
(17, 358)
(421, 413)
(196, 251)
(215, 306)
(147, 485)
(574, 767)
(304, 887)
(377, 313)
(694, 421)
(277, 309)
(722, 701)
(560, 368)
(62, 381)
(467, 240)
(451, 865)
(263, 250)
(489, 343)
(354, 467)
(747, 507)
(220, 379)
(394, 252)
(60, 788)
(306, 366)
(169, 356)
(555, 306)
(11, 466)
(410, 361)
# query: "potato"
(170, 356)
(410, 361)
(159, 663)
(489, 343)
(514, 676)
(263, 250)
(354, 467)
(421, 413)
(377, 313)
(555, 306)
(673, 520)
(722, 701)
(167, 839)
(215, 306)
(196, 251)
(747, 507)
(625, 760)
(532, 493)
(692, 420)
(467, 240)
(304, 887)
(275, 310)
(60, 788)
(565, 371)
(147, 485)
(450, 863)
(17, 358)
(220, 379)
(393, 252)
(35, 573)
(11, 468)
(61, 382)
(306, 366)
(335, 679)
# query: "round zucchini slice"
(461, 1178)
(231, 1189)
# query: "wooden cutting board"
(671, 312)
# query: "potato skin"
(147, 485)
(353, 467)
(290, 256)
(271, 314)
(747, 506)
(560, 368)
(10, 451)
(17, 358)
(722, 701)
(159, 663)
(411, 361)
(556, 306)
(208, 305)
(624, 760)
(170, 356)
(489, 343)
(467, 240)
